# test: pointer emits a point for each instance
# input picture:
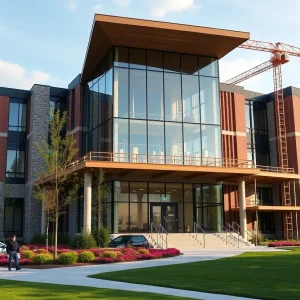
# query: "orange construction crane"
(279, 55)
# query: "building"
(177, 147)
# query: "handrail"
(176, 160)
(163, 230)
(165, 222)
(227, 233)
(157, 232)
(196, 227)
(234, 231)
(240, 230)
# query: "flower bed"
(284, 244)
(96, 255)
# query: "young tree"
(99, 199)
(59, 187)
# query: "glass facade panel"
(155, 60)
(157, 192)
(138, 192)
(121, 217)
(138, 217)
(174, 144)
(209, 99)
(137, 94)
(121, 191)
(171, 62)
(173, 102)
(212, 194)
(192, 144)
(17, 115)
(188, 193)
(15, 164)
(121, 57)
(138, 141)
(121, 86)
(137, 58)
(189, 64)
(120, 140)
(156, 142)
(155, 95)
(208, 66)
(13, 115)
(190, 99)
(211, 144)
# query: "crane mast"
(279, 55)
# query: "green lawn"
(264, 275)
(17, 290)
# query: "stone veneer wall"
(39, 113)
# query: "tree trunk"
(55, 235)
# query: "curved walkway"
(78, 275)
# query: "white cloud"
(97, 7)
(122, 3)
(72, 5)
(162, 7)
(229, 69)
(15, 76)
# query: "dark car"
(129, 240)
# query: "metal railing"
(175, 160)
(156, 231)
(230, 227)
(228, 232)
(234, 224)
(163, 231)
(196, 227)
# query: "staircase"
(188, 241)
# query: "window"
(15, 164)
(121, 86)
(211, 144)
(13, 216)
(174, 143)
(138, 141)
(17, 115)
(120, 140)
(156, 142)
(192, 144)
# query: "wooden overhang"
(176, 173)
(108, 31)
(269, 208)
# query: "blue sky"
(45, 41)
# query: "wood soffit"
(108, 31)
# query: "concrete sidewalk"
(78, 275)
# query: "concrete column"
(87, 206)
(43, 221)
(242, 205)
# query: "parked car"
(129, 240)
(2, 248)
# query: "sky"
(45, 41)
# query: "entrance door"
(165, 214)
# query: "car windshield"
(121, 239)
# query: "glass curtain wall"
(132, 206)
(165, 108)
(155, 107)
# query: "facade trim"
(3, 134)
(233, 133)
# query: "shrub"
(41, 251)
(86, 256)
(41, 239)
(25, 248)
(284, 244)
(41, 259)
(83, 241)
(68, 258)
(28, 254)
(102, 238)
(110, 254)
(143, 251)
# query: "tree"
(99, 199)
(57, 188)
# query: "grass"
(263, 275)
(16, 290)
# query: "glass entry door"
(165, 214)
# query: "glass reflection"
(121, 87)
(156, 142)
(138, 141)
(174, 143)
(192, 144)
(120, 140)
(137, 94)
(209, 97)
(211, 145)
(208, 66)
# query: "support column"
(43, 221)
(87, 206)
(242, 205)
